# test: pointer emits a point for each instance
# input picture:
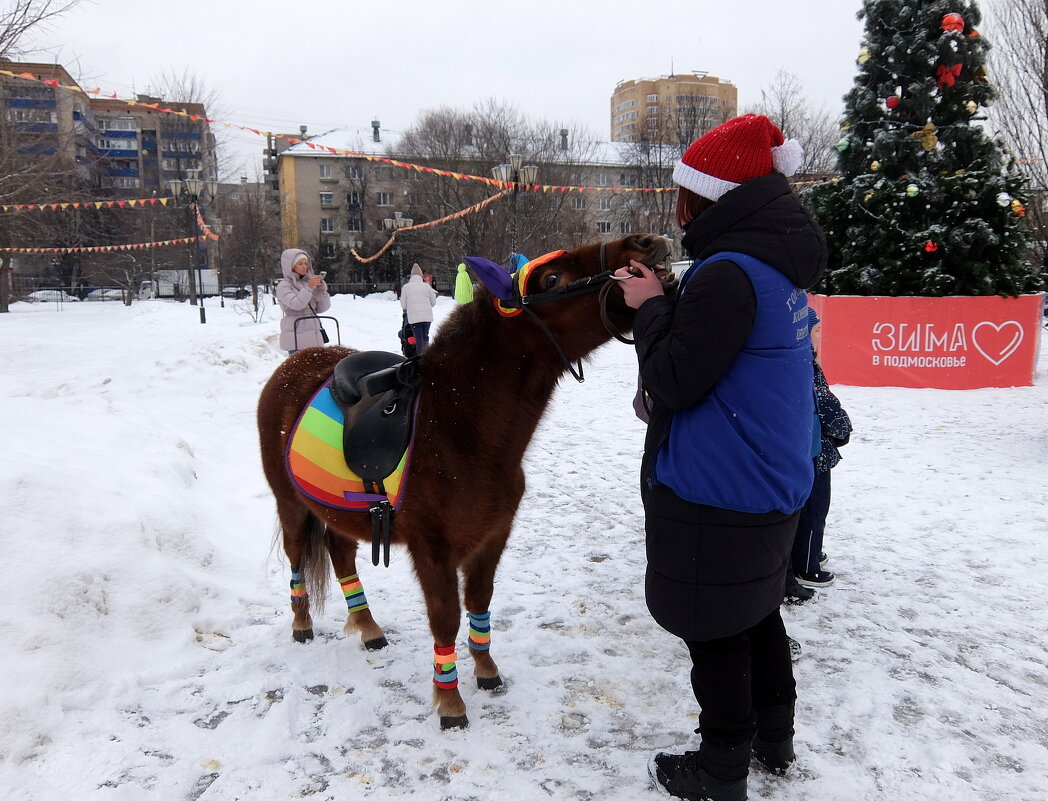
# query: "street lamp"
(194, 187)
(514, 172)
(393, 224)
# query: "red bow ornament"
(948, 75)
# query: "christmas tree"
(926, 203)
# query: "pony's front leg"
(343, 552)
(479, 572)
(439, 583)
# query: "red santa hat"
(746, 147)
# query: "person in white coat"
(301, 294)
(417, 299)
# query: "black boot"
(682, 776)
(773, 743)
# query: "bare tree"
(1019, 61)
(785, 104)
(250, 243)
(22, 16)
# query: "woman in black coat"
(726, 371)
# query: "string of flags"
(87, 204)
(454, 216)
(294, 140)
(104, 248)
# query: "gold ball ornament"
(867, 196)
(1018, 209)
(971, 107)
(864, 55)
(927, 136)
(874, 166)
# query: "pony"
(484, 383)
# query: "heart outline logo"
(1008, 349)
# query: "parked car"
(106, 294)
(51, 296)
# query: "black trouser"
(807, 544)
(744, 685)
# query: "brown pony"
(486, 380)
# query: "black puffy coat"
(714, 572)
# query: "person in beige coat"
(301, 294)
(417, 299)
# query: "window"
(353, 224)
(353, 200)
(578, 202)
(354, 172)
(409, 199)
(327, 198)
(602, 179)
(385, 199)
(325, 172)
(327, 250)
(327, 225)
(604, 203)
(626, 227)
(627, 179)
(604, 227)
(653, 98)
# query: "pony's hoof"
(376, 644)
(302, 635)
(495, 684)
(453, 722)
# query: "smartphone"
(322, 273)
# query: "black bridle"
(601, 282)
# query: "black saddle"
(376, 392)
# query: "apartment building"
(124, 149)
(671, 108)
(330, 203)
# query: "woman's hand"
(314, 281)
(642, 284)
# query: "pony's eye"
(551, 280)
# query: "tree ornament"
(867, 196)
(971, 107)
(892, 101)
(979, 76)
(927, 136)
(864, 55)
(912, 190)
(930, 247)
(947, 76)
(1004, 199)
(953, 22)
(874, 166)
(1018, 209)
(842, 145)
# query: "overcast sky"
(335, 63)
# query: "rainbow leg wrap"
(479, 631)
(354, 592)
(445, 672)
(298, 586)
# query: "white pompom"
(787, 157)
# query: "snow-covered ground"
(145, 647)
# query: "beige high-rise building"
(671, 109)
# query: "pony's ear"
(493, 276)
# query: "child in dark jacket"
(835, 429)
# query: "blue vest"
(746, 445)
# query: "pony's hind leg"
(479, 571)
(344, 559)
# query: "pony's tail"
(315, 562)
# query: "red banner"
(942, 343)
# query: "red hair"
(690, 205)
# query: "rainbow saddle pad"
(351, 445)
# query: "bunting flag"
(87, 204)
(105, 248)
(456, 215)
(204, 229)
